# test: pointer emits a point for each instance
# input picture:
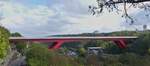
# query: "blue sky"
(50, 17)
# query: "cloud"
(87, 23)
(140, 18)
(71, 8)
(48, 17)
(26, 20)
(76, 13)
(58, 18)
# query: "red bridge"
(58, 41)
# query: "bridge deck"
(79, 38)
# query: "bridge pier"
(27, 45)
(120, 43)
(57, 44)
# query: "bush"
(131, 59)
(111, 60)
(92, 60)
(124, 59)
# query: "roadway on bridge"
(80, 38)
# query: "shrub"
(132, 59)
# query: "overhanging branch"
(128, 1)
(112, 5)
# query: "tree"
(16, 34)
(142, 45)
(4, 41)
(81, 52)
(40, 55)
(112, 5)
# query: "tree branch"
(111, 5)
(128, 1)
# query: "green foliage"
(108, 46)
(71, 44)
(81, 52)
(142, 45)
(92, 60)
(125, 59)
(113, 49)
(125, 33)
(20, 45)
(131, 59)
(4, 41)
(40, 55)
(111, 60)
(16, 34)
(97, 43)
(116, 33)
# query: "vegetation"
(4, 41)
(136, 54)
(20, 45)
(16, 34)
(116, 33)
(142, 45)
(40, 55)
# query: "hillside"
(116, 33)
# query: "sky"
(51, 17)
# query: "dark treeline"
(116, 33)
